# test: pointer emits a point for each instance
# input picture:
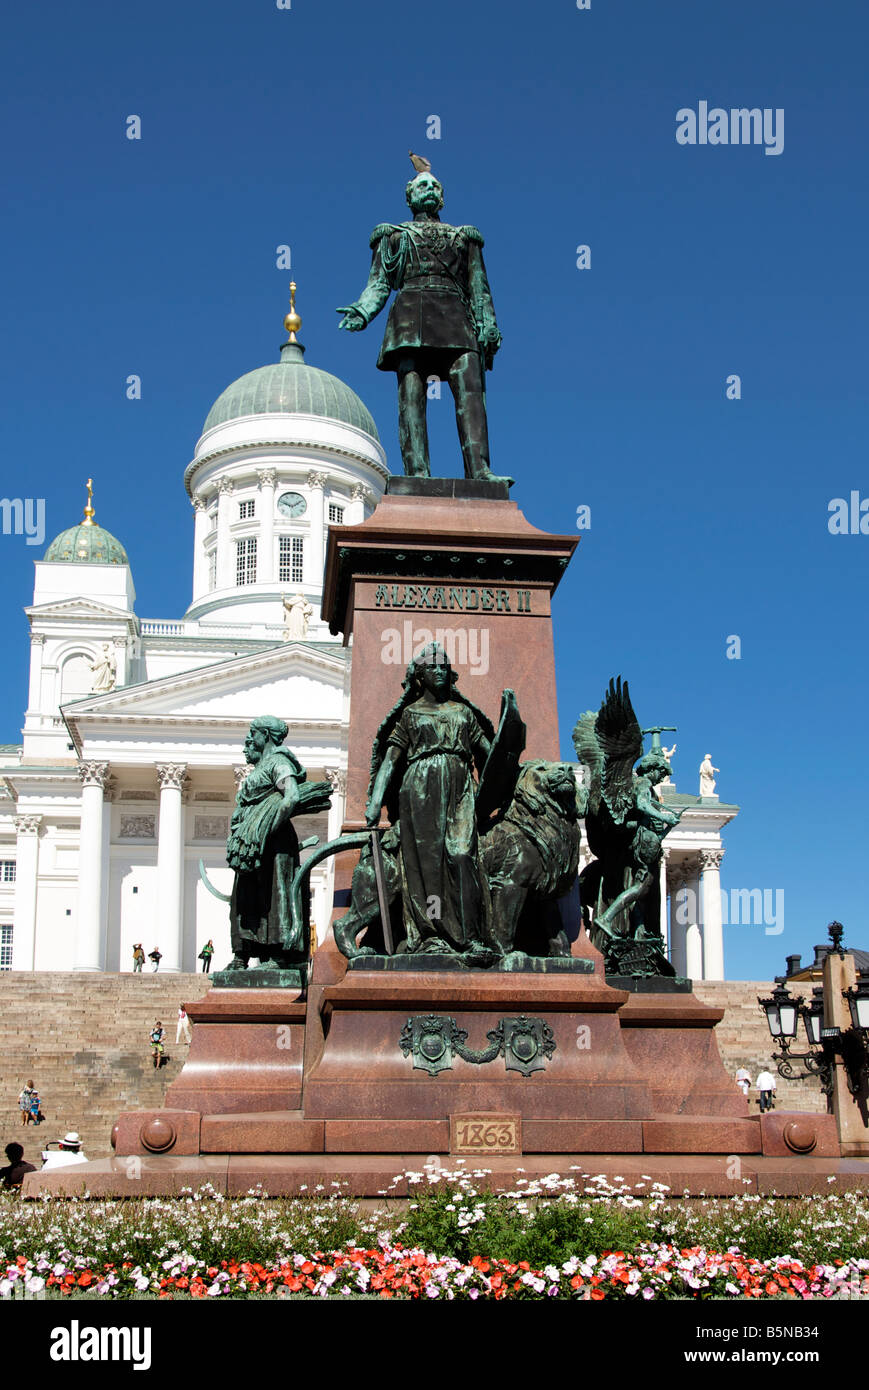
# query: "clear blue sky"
(709, 517)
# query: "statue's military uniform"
(443, 303)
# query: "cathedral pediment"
(77, 609)
(297, 682)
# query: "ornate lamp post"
(839, 1054)
(782, 1016)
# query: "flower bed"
(553, 1238)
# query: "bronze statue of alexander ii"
(442, 322)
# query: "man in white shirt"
(743, 1080)
(766, 1086)
(69, 1152)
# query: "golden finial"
(292, 321)
(89, 511)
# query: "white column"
(338, 778)
(200, 527)
(225, 557)
(317, 556)
(678, 920)
(26, 879)
(90, 942)
(122, 674)
(34, 696)
(361, 498)
(710, 908)
(105, 871)
(663, 902)
(265, 551)
(693, 951)
(168, 928)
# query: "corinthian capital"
(28, 825)
(240, 773)
(199, 504)
(93, 774)
(316, 479)
(711, 858)
(171, 775)
(267, 477)
(225, 486)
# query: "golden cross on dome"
(89, 510)
(292, 321)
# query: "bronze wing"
(498, 778)
(620, 738)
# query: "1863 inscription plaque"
(485, 1134)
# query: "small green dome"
(86, 544)
(291, 387)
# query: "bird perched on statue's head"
(420, 163)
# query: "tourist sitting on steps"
(68, 1153)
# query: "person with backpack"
(138, 958)
(157, 1036)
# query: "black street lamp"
(826, 1043)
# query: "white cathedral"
(114, 809)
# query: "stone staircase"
(83, 1039)
(744, 1040)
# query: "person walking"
(156, 956)
(205, 956)
(24, 1102)
(36, 1114)
(138, 958)
(743, 1080)
(183, 1032)
(157, 1036)
(766, 1086)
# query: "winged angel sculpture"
(626, 825)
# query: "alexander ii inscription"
(452, 598)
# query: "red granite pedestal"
(283, 1094)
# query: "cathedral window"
(5, 947)
(291, 560)
(7, 867)
(336, 514)
(245, 561)
(212, 571)
(246, 509)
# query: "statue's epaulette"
(474, 234)
(381, 230)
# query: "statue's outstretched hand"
(353, 320)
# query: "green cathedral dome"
(291, 387)
(87, 543)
